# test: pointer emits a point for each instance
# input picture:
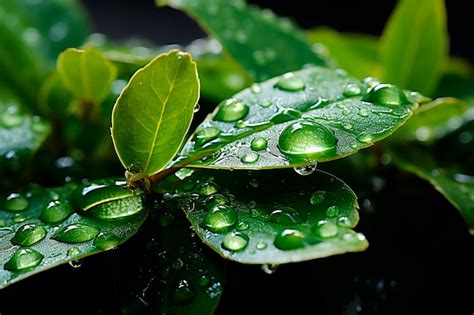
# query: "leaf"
(254, 218)
(158, 99)
(20, 134)
(87, 74)
(38, 229)
(313, 115)
(415, 45)
(435, 120)
(358, 54)
(264, 44)
(175, 272)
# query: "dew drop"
(177, 264)
(242, 226)
(197, 108)
(326, 229)
(318, 197)
(290, 82)
(75, 264)
(290, 239)
(284, 217)
(352, 89)
(386, 94)
(215, 201)
(261, 245)
(205, 135)
(73, 251)
(344, 221)
(24, 258)
(28, 235)
(231, 110)
(347, 126)
(56, 211)
(265, 103)
(76, 233)
(16, 202)
(249, 158)
(269, 269)
(332, 211)
(363, 112)
(18, 218)
(184, 293)
(364, 137)
(220, 219)
(306, 170)
(207, 189)
(255, 88)
(235, 241)
(258, 144)
(106, 240)
(184, 172)
(305, 140)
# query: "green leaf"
(86, 73)
(300, 118)
(435, 120)
(358, 54)
(20, 134)
(254, 218)
(39, 229)
(264, 44)
(175, 272)
(159, 98)
(415, 45)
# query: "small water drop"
(184, 172)
(258, 144)
(363, 112)
(73, 251)
(386, 94)
(16, 202)
(197, 108)
(326, 229)
(290, 82)
(352, 89)
(270, 269)
(177, 264)
(346, 111)
(284, 217)
(261, 245)
(76, 233)
(106, 240)
(184, 293)
(254, 183)
(235, 241)
(231, 110)
(205, 135)
(290, 239)
(56, 211)
(215, 201)
(347, 126)
(265, 103)
(11, 117)
(255, 88)
(28, 235)
(249, 158)
(18, 218)
(24, 258)
(204, 281)
(332, 211)
(220, 219)
(344, 221)
(242, 226)
(365, 137)
(207, 189)
(318, 197)
(75, 264)
(306, 170)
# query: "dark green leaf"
(309, 116)
(254, 218)
(175, 273)
(158, 99)
(415, 45)
(86, 73)
(264, 44)
(40, 229)
(358, 54)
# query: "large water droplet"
(290, 239)
(231, 110)
(258, 144)
(365, 137)
(285, 216)
(76, 233)
(106, 240)
(290, 82)
(24, 258)
(220, 219)
(318, 197)
(352, 89)
(205, 135)
(16, 202)
(386, 94)
(306, 140)
(56, 211)
(215, 201)
(306, 170)
(207, 189)
(28, 235)
(326, 229)
(235, 241)
(249, 158)
(184, 293)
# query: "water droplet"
(254, 183)
(255, 88)
(346, 111)
(205, 135)
(306, 170)
(73, 251)
(270, 269)
(28, 235)
(290, 82)
(347, 126)
(242, 226)
(197, 108)
(241, 124)
(204, 281)
(363, 112)
(207, 189)
(332, 211)
(265, 103)
(235, 241)
(305, 140)
(215, 201)
(352, 89)
(76, 233)
(16, 202)
(261, 245)
(177, 264)
(258, 144)
(249, 158)
(184, 293)
(184, 172)
(220, 219)
(365, 137)
(318, 197)
(11, 117)
(106, 240)
(285, 216)
(290, 239)
(326, 229)
(18, 218)
(344, 221)
(56, 211)
(75, 264)
(24, 258)
(386, 94)
(231, 110)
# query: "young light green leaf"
(264, 44)
(42, 228)
(154, 111)
(20, 134)
(358, 54)
(254, 218)
(175, 273)
(86, 73)
(435, 120)
(313, 115)
(415, 45)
